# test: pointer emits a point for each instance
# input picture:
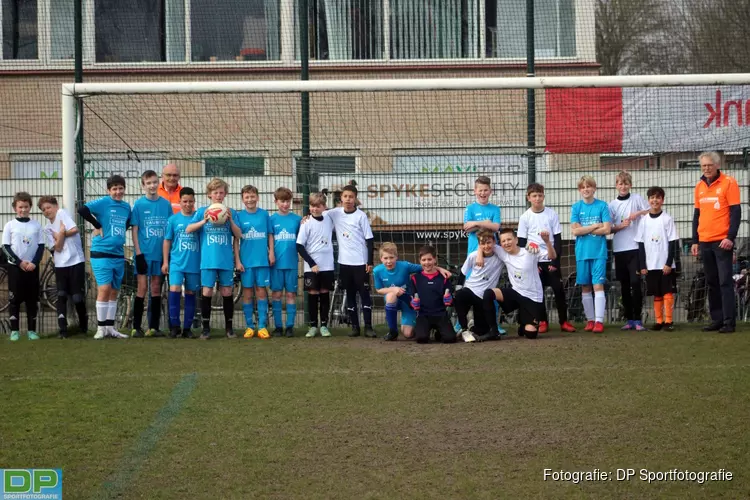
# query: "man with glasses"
(169, 187)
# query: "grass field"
(348, 418)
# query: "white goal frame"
(71, 92)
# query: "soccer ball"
(217, 214)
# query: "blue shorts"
(209, 277)
(591, 272)
(284, 279)
(192, 281)
(256, 277)
(153, 269)
(108, 271)
(408, 315)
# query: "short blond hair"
(282, 194)
(485, 234)
(389, 247)
(317, 200)
(215, 184)
(586, 180)
(624, 176)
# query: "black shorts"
(442, 325)
(658, 284)
(72, 279)
(322, 280)
(353, 277)
(529, 312)
(626, 266)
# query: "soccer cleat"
(354, 332)
(530, 335)
(657, 326)
(598, 327)
(567, 327)
(589, 326)
(62, 334)
(153, 332)
(137, 333)
(187, 333)
(249, 333)
(32, 336)
(638, 326)
(324, 331)
(726, 329)
(278, 332)
(467, 336)
(713, 327)
(501, 330)
(263, 334)
(116, 334)
(290, 331)
(670, 327)
(630, 325)
(391, 335)
(543, 327)
(174, 332)
(206, 334)
(370, 333)
(14, 336)
(488, 336)
(231, 335)
(312, 332)
(101, 332)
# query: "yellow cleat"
(263, 334)
(250, 333)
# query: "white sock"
(102, 308)
(600, 303)
(112, 310)
(588, 305)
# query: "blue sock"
(391, 316)
(262, 313)
(247, 308)
(189, 311)
(174, 308)
(276, 305)
(291, 314)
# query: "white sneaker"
(115, 334)
(311, 332)
(101, 332)
(468, 336)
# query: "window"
(554, 28)
(346, 29)
(229, 30)
(19, 29)
(220, 166)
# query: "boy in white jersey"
(63, 239)
(526, 292)
(626, 212)
(480, 278)
(657, 248)
(24, 247)
(316, 249)
(532, 223)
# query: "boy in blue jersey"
(254, 255)
(110, 217)
(217, 258)
(285, 226)
(182, 263)
(590, 223)
(481, 214)
(149, 222)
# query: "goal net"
(414, 148)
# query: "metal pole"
(79, 175)
(303, 164)
(530, 96)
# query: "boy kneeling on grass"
(432, 293)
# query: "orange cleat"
(589, 326)
(543, 327)
(598, 327)
(567, 327)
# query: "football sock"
(62, 312)
(366, 301)
(600, 304)
(325, 305)
(391, 316)
(189, 311)
(247, 310)
(658, 311)
(101, 312)
(155, 312)
(138, 312)
(228, 306)
(262, 313)
(276, 306)
(31, 310)
(206, 312)
(488, 304)
(312, 309)
(291, 314)
(587, 298)
(174, 308)
(668, 307)
(111, 313)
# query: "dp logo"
(31, 483)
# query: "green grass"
(359, 418)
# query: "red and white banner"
(642, 120)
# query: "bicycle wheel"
(217, 304)
(124, 316)
(4, 298)
(48, 288)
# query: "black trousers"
(553, 279)
(628, 274)
(23, 287)
(718, 266)
(440, 323)
(463, 301)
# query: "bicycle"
(126, 298)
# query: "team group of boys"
(197, 254)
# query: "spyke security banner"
(424, 191)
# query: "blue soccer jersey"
(398, 276)
(478, 212)
(590, 246)
(185, 255)
(285, 229)
(216, 243)
(151, 218)
(255, 229)
(113, 216)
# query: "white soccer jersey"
(523, 272)
(24, 238)
(655, 233)
(482, 278)
(315, 235)
(532, 223)
(620, 210)
(72, 251)
(351, 232)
